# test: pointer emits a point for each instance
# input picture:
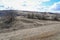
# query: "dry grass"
(30, 29)
(39, 33)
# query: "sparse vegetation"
(29, 25)
(7, 19)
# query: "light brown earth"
(33, 29)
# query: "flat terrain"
(32, 29)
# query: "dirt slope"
(34, 33)
(33, 29)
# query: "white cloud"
(31, 5)
(55, 7)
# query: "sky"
(31, 5)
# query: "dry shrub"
(35, 16)
(7, 19)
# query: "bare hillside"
(25, 25)
(31, 29)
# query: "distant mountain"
(17, 12)
(2, 13)
(9, 12)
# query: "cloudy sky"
(31, 5)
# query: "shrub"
(8, 18)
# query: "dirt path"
(31, 34)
